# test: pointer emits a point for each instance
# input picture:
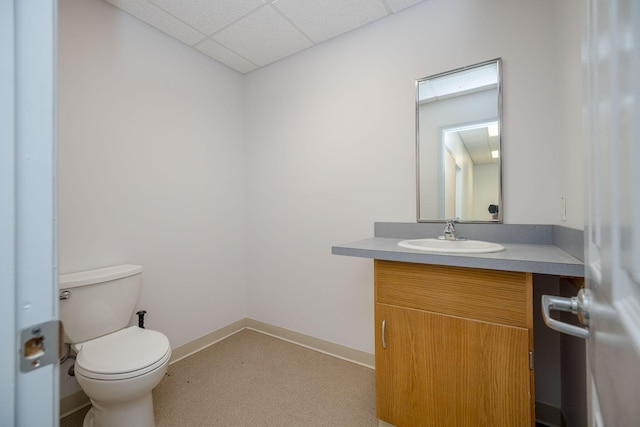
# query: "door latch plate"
(39, 345)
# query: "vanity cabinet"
(453, 346)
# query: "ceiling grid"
(248, 34)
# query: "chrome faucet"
(450, 231)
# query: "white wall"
(151, 167)
(330, 149)
(569, 21)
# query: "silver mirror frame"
(499, 220)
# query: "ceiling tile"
(224, 55)
(206, 15)
(322, 20)
(156, 17)
(247, 34)
(398, 5)
(263, 37)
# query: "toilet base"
(138, 412)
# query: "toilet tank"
(99, 301)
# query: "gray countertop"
(526, 257)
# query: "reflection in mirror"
(458, 122)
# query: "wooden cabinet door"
(439, 370)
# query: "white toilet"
(116, 366)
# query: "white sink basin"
(452, 246)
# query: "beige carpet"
(251, 379)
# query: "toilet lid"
(127, 351)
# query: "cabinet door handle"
(384, 327)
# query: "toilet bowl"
(118, 372)
(117, 365)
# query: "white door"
(611, 301)
(28, 264)
(612, 266)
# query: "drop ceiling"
(248, 34)
(480, 145)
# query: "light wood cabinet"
(453, 346)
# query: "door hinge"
(531, 360)
(40, 345)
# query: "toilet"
(116, 365)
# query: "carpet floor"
(252, 379)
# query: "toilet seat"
(127, 353)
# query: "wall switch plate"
(563, 208)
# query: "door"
(28, 306)
(612, 235)
(611, 302)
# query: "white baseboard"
(78, 400)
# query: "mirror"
(459, 150)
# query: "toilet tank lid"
(90, 277)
